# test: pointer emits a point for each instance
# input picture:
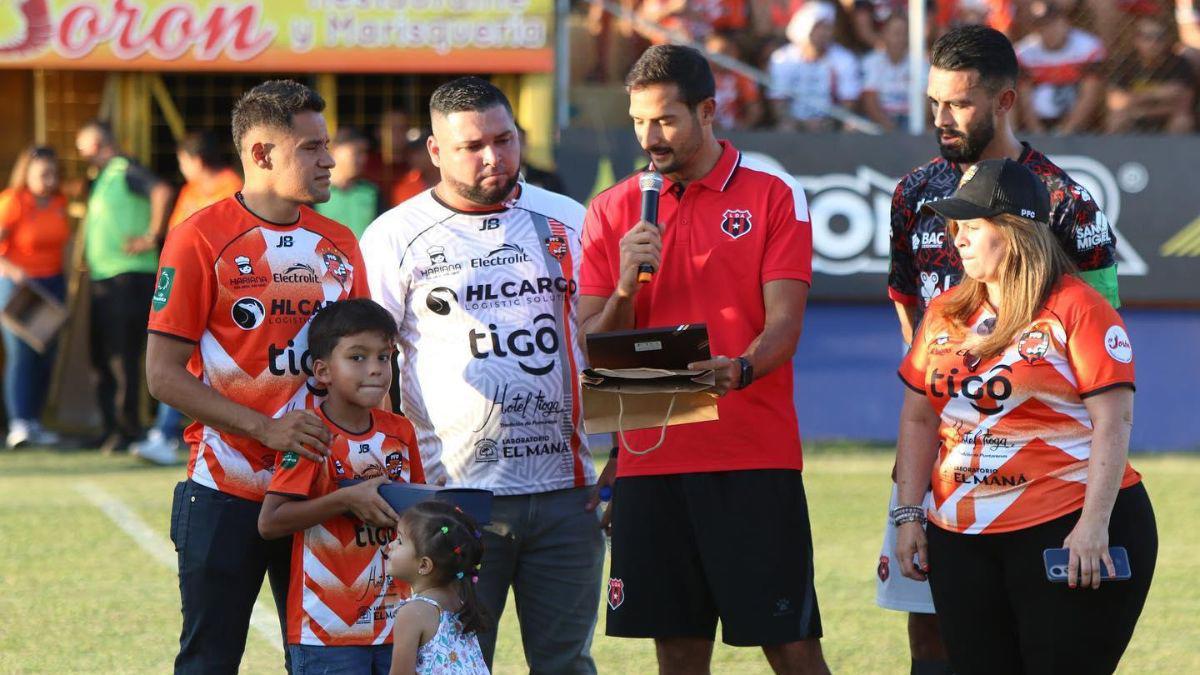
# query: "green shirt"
(354, 206)
(118, 209)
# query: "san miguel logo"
(1033, 345)
(131, 29)
(735, 222)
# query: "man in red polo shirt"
(712, 524)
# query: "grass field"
(78, 594)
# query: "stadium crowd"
(1088, 66)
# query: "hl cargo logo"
(735, 222)
(616, 593)
(441, 300)
(556, 245)
(1033, 345)
(162, 291)
(248, 313)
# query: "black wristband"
(747, 372)
(616, 449)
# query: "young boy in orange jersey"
(341, 602)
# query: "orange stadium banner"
(392, 36)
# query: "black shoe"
(116, 443)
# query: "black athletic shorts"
(688, 549)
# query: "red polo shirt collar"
(722, 172)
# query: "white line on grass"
(264, 621)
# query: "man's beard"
(478, 194)
(972, 145)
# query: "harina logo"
(162, 291)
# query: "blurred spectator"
(1061, 88)
(209, 178)
(354, 201)
(1156, 89)
(1187, 15)
(600, 24)
(33, 233)
(548, 180)
(886, 76)
(126, 217)
(868, 18)
(812, 74)
(693, 19)
(422, 173)
(386, 165)
(739, 105)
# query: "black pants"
(222, 561)
(120, 308)
(1000, 615)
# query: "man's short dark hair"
(979, 48)
(102, 127)
(345, 318)
(203, 145)
(684, 67)
(350, 135)
(467, 94)
(273, 103)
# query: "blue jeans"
(314, 660)
(551, 552)
(26, 372)
(169, 421)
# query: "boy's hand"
(364, 502)
(299, 431)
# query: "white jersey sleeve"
(489, 356)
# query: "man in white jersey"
(480, 272)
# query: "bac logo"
(616, 593)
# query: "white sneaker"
(42, 437)
(157, 449)
(19, 433)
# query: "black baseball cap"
(996, 186)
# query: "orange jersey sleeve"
(297, 477)
(1098, 347)
(186, 287)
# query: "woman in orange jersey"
(1020, 406)
(33, 232)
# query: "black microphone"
(650, 183)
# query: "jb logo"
(285, 241)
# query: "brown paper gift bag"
(620, 400)
(34, 315)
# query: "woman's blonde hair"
(1032, 266)
(20, 170)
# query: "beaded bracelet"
(908, 514)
